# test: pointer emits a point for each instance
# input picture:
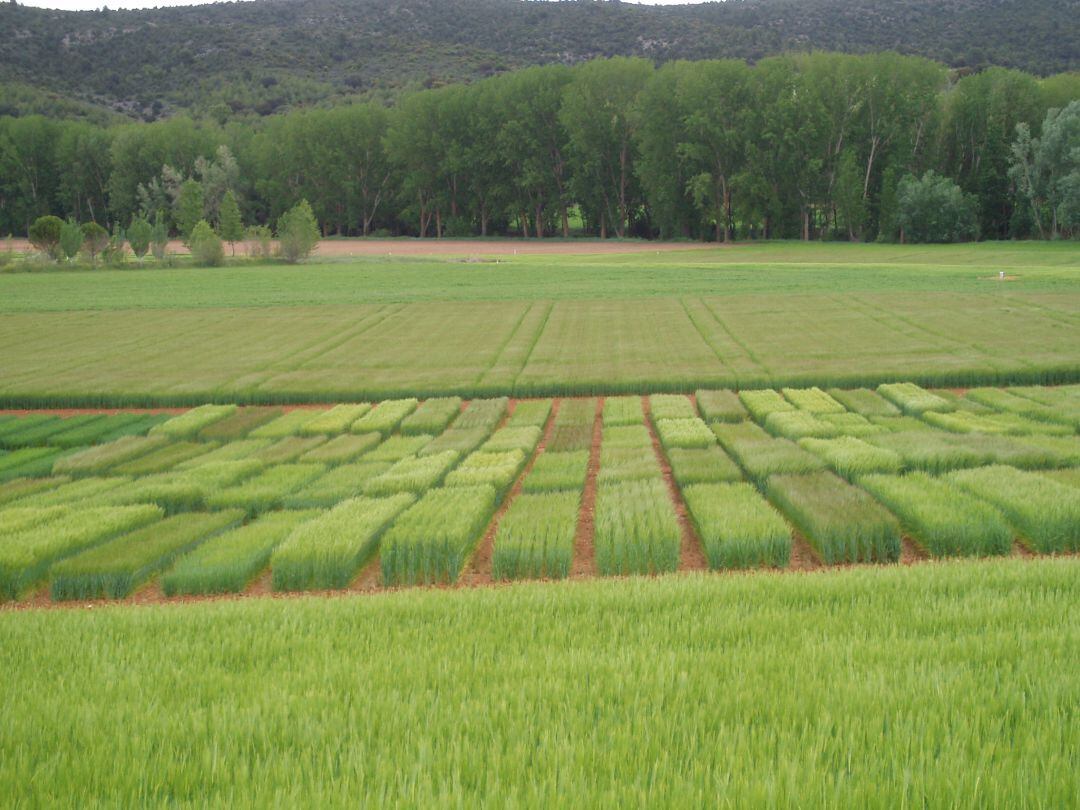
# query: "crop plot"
(959, 476)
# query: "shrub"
(95, 240)
(228, 562)
(205, 245)
(636, 530)
(842, 522)
(298, 233)
(139, 234)
(720, 406)
(434, 538)
(942, 517)
(115, 569)
(934, 209)
(738, 528)
(259, 240)
(1045, 512)
(71, 239)
(44, 235)
(535, 537)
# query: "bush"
(298, 232)
(140, 233)
(934, 209)
(71, 239)
(205, 245)
(45, 235)
(258, 241)
(159, 237)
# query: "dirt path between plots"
(342, 248)
(691, 550)
(583, 563)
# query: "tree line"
(817, 146)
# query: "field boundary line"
(528, 355)
(705, 339)
(734, 338)
(506, 343)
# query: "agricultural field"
(750, 316)
(227, 499)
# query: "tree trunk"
(565, 221)
(603, 225)
(539, 223)
(806, 225)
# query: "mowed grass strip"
(327, 552)
(267, 490)
(188, 424)
(535, 538)
(341, 449)
(336, 420)
(530, 412)
(103, 457)
(335, 485)
(555, 471)
(842, 522)
(849, 456)
(720, 405)
(432, 416)
(433, 539)
(115, 569)
(1044, 512)
(738, 527)
(913, 399)
(942, 517)
(709, 465)
(636, 530)
(813, 400)
(623, 410)
(385, 416)
(228, 562)
(864, 401)
(25, 556)
(412, 474)
(239, 424)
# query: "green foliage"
(115, 569)
(1046, 171)
(432, 416)
(705, 465)
(228, 562)
(159, 237)
(191, 422)
(71, 239)
(686, 433)
(864, 401)
(813, 400)
(668, 406)
(337, 484)
(95, 240)
(298, 233)
(533, 412)
(841, 522)
(239, 424)
(912, 399)
(555, 471)
(535, 538)
(934, 209)
(761, 403)
(266, 490)
(44, 235)
(636, 530)
(738, 528)
(412, 474)
(720, 406)
(27, 553)
(205, 245)
(288, 449)
(760, 454)
(336, 420)
(385, 417)
(188, 208)
(328, 551)
(431, 542)
(1046, 513)
(230, 223)
(942, 517)
(341, 449)
(524, 439)
(288, 424)
(140, 234)
(798, 424)
(101, 458)
(849, 456)
(497, 469)
(623, 411)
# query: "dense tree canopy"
(811, 146)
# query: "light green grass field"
(945, 685)
(757, 315)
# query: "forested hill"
(260, 57)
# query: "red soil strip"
(479, 569)
(1020, 550)
(911, 552)
(584, 559)
(337, 248)
(691, 551)
(803, 557)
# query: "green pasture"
(943, 685)
(746, 316)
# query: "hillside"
(261, 57)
